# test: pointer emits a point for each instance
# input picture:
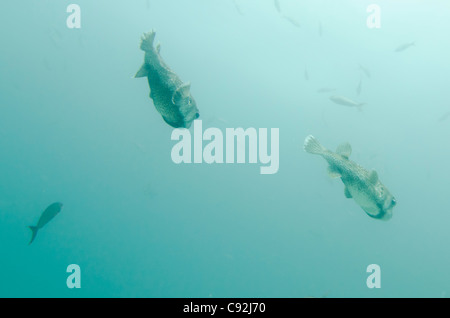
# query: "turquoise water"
(77, 128)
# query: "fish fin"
(172, 123)
(143, 71)
(347, 193)
(373, 177)
(313, 146)
(344, 149)
(147, 41)
(34, 230)
(333, 173)
(158, 48)
(372, 212)
(181, 93)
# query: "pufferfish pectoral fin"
(171, 122)
(143, 71)
(333, 173)
(347, 193)
(181, 93)
(371, 211)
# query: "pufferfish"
(171, 97)
(360, 184)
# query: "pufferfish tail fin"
(313, 146)
(146, 46)
(147, 41)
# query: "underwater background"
(76, 127)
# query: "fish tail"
(34, 230)
(313, 146)
(147, 41)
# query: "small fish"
(360, 184)
(342, 100)
(359, 88)
(306, 74)
(50, 212)
(404, 46)
(326, 90)
(365, 70)
(238, 8)
(172, 98)
(292, 21)
(277, 5)
(444, 117)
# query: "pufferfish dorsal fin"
(373, 177)
(181, 93)
(344, 149)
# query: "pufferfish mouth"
(393, 202)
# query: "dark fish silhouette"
(50, 212)
(238, 8)
(359, 88)
(365, 70)
(404, 46)
(277, 5)
(293, 21)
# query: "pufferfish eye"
(393, 202)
